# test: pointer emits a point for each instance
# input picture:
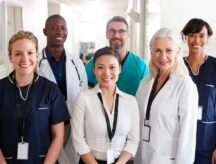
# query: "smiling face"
(164, 52)
(23, 56)
(117, 34)
(197, 41)
(107, 69)
(56, 32)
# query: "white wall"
(175, 14)
(34, 16)
(80, 29)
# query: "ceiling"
(108, 3)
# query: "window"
(3, 59)
(13, 12)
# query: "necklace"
(20, 92)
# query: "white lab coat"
(67, 155)
(173, 119)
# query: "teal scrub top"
(134, 68)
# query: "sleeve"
(144, 69)
(78, 126)
(133, 136)
(188, 106)
(92, 81)
(59, 110)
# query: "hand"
(214, 157)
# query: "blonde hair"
(22, 35)
(179, 67)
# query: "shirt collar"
(12, 79)
(97, 90)
(50, 56)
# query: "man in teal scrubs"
(134, 68)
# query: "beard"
(116, 43)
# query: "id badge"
(110, 156)
(199, 113)
(146, 133)
(22, 150)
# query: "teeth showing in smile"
(163, 62)
(25, 65)
(59, 38)
(106, 79)
(196, 45)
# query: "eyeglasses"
(121, 32)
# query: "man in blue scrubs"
(133, 67)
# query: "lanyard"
(22, 114)
(110, 133)
(152, 96)
(22, 108)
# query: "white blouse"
(89, 127)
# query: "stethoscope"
(81, 83)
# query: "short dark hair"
(195, 25)
(117, 19)
(106, 51)
(53, 17)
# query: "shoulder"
(74, 59)
(89, 64)
(211, 59)
(146, 80)
(138, 63)
(89, 68)
(45, 83)
(126, 96)
(186, 83)
(136, 58)
(4, 79)
(87, 93)
(4, 82)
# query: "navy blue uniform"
(44, 107)
(205, 81)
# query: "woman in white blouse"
(105, 121)
(168, 103)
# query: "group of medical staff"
(116, 109)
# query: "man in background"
(133, 67)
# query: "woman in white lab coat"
(168, 103)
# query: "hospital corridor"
(107, 82)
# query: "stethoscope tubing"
(78, 75)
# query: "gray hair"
(179, 67)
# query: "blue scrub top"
(134, 68)
(205, 81)
(46, 108)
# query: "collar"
(51, 57)
(12, 79)
(97, 90)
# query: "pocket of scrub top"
(43, 114)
